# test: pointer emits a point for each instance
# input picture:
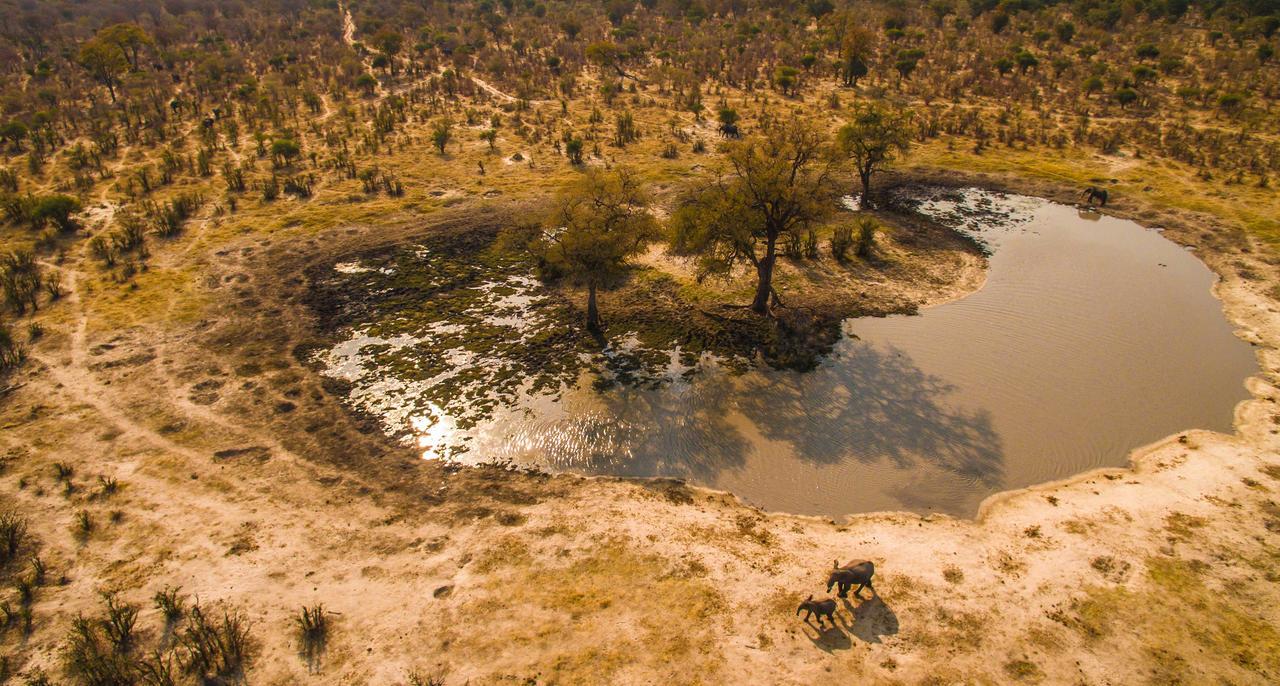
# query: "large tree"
(105, 62)
(389, 42)
(778, 182)
(130, 39)
(596, 224)
(875, 136)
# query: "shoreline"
(949, 179)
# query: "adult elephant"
(852, 574)
(1094, 193)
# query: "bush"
(119, 623)
(83, 524)
(13, 531)
(20, 281)
(57, 209)
(170, 603)
(215, 650)
(841, 242)
(92, 658)
(866, 237)
(12, 353)
(284, 151)
(313, 631)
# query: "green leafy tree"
(441, 134)
(854, 48)
(596, 225)
(787, 79)
(367, 83)
(284, 151)
(1026, 60)
(607, 55)
(1126, 96)
(779, 183)
(14, 132)
(389, 42)
(130, 39)
(573, 150)
(104, 62)
(875, 136)
(1231, 103)
(56, 208)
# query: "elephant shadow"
(872, 619)
(831, 638)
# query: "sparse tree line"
(145, 103)
(776, 188)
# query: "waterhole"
(1091, 336)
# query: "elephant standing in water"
(1094, 193)
(857, 573)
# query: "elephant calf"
(852, 574)
(821, 608)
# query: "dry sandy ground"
(245, 482)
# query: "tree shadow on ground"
(870, 404)
(681, 430)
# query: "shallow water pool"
(1092, 336)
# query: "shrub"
(866, 237)
(215, 649)
(57, 209)
(108, 485)
(313, 630)
(811, 244)
(83, 524)
(13, 531)
(12, 353)
(170, 603)
(841, 242)
(119, 623)
(157, 670)
(20, 280)
(91, 658)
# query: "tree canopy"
(596, 224)
(875, 135)
(777, 182)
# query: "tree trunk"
(764, 286)
(864, 202)
(593, 313)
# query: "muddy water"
(1091, 337)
